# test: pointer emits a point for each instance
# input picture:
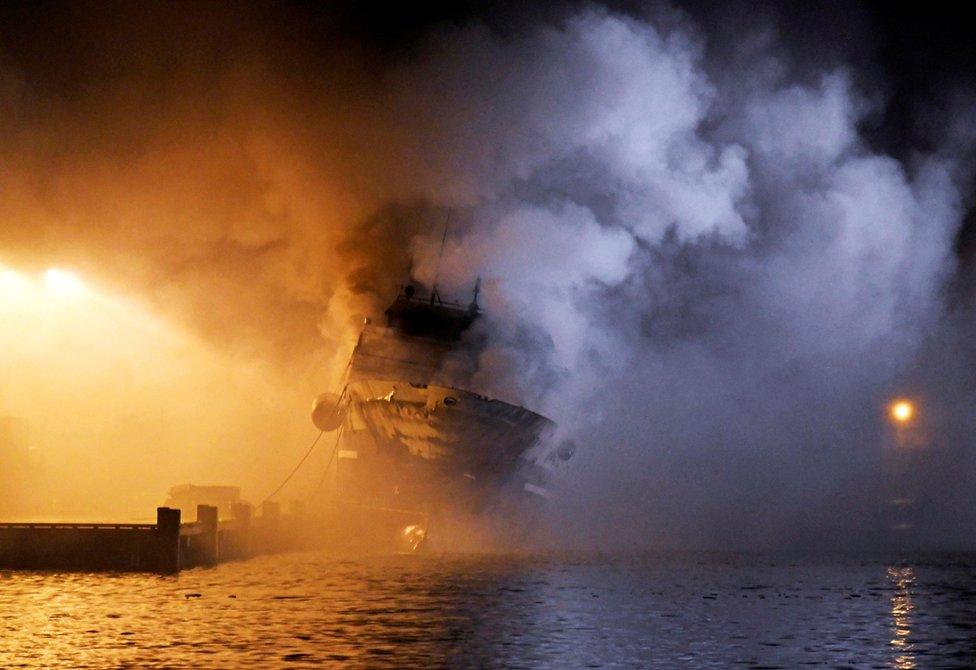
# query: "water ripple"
(305, 610)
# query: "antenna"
(473, 307)
(440, 255)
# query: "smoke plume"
(696, 255)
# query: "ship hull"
(413, 439)
(430, 447)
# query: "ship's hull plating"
(428, 446)
(453, 429)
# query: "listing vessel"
(416, 443)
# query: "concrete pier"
(166, 546)
(69, 546)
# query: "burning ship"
(414, 442)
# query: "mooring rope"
(319, 436)
(309, 452)
(328, 464)
(292, 473)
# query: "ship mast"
(434, 295)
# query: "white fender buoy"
(326, 414)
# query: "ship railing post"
(168, 536)
(208, 520)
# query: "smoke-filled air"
(696, 256)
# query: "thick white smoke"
(723, 276)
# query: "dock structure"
(166, 546)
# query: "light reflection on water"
(901, 609)
(451, 611)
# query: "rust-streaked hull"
(428, 446)
(453, 429)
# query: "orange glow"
(902, 411)
(119, 403)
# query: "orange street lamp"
(901, 411)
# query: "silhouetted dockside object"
(166, 546)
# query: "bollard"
(168, 539)
(209, 549)
(242, 532)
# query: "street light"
(901, 411)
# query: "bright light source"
(902, 411)
(63, 283)
(11, 282)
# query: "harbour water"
(648, 611)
